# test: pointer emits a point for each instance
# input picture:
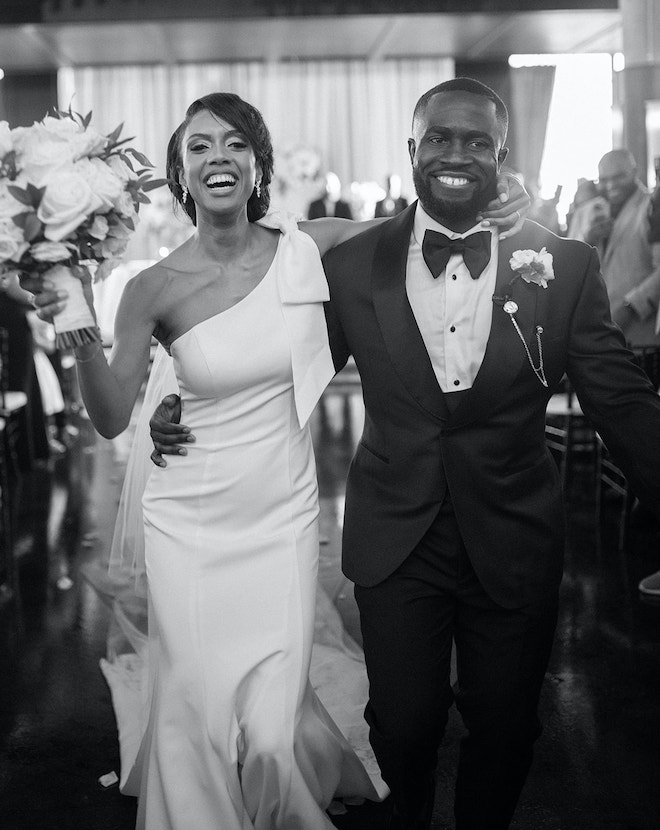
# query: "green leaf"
(126, 159)
(35, 194)
(20, 220)
(114, 135)
(20, 195)
(152, 184)
(139, 156)
(33, 227)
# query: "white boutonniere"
(533, 266)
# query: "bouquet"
(69, 202)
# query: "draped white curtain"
(531, 94)
(356, 114)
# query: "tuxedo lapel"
(505, 353)
(397, 322)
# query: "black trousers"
(408, 623)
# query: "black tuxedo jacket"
(490, 453)
(317, 209)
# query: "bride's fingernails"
(183, 451)
(190, 438)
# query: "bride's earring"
(257, 187)
(184, 194)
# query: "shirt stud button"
(457, 383)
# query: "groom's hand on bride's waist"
(168, 435)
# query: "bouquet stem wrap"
(75, 324)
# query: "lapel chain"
(510, 307)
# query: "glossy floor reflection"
(597, 764)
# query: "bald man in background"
(630, 261)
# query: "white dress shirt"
(453, 311)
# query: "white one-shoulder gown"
(236, 738)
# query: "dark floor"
(597, 764)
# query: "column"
(641, 76)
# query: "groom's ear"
(501, 156)
(411, 149)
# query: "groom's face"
(456, 153)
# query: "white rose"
(12, 243)
(40, 154)
(49, 252)
(534, 267)
(6, 144)
(83, 142)
(67, 201)
(103, 182)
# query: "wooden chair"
(568, 432)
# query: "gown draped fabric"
(236, 738)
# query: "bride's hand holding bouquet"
(69, 202)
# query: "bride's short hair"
(244, 117)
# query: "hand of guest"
(166, 432)
(508, 211)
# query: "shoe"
(650, 585)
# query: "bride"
(228, 731)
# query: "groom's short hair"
(466, 85)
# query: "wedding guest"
(621, 236)
(331, 204)
(15, 304)
(393, 202)
(454, 526)
(236, 736)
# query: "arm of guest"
(644, 300)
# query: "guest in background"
(393, 202)
(331, 204)
(52, 398)
(586, 201)
(15, 303)
(621, 237)
(544, 211)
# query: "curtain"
(531, 94)
(353, 115)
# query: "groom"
(454, 528)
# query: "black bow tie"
(475, 250)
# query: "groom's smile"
(456, 152)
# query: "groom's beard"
(447, 211)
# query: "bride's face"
(219, 165)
